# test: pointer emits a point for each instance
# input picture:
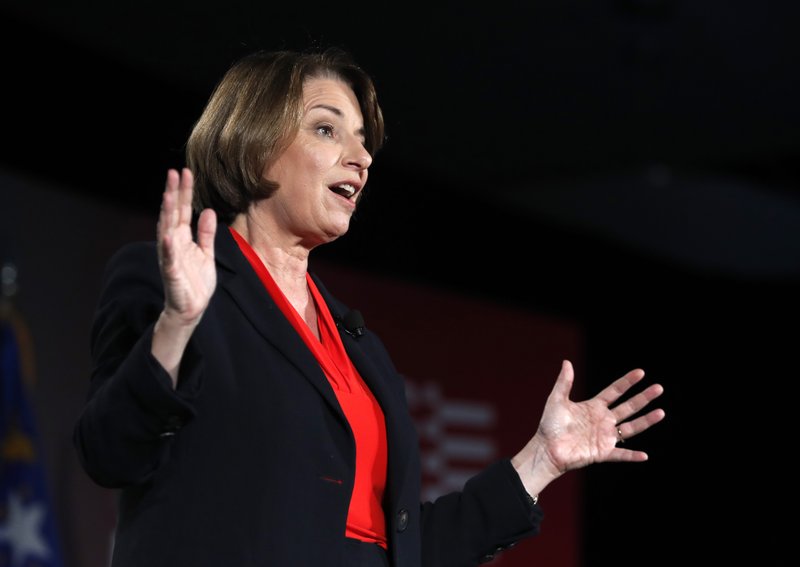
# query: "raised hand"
(572, 435)
(187, 270)
(187, 267)
(577, 434)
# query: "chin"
(341, 226)
(335, 232)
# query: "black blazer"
(250, 461)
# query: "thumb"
(564, 382)
(206, 229)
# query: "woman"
(242, 422)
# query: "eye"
(325, 130)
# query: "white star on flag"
(22, 530)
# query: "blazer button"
(402, 520)
(171, 426)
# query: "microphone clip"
(353, 324)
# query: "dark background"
(630, 164)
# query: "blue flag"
(28, 533)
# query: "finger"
(166, 215)
(185, 196)
(173, 180)
(627, 456)
(641, 423)
(618, 387)
(636, 403)
(206, 229)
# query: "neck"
(285, 259)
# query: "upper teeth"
(347, 188)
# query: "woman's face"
(323, 171)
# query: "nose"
(357, 155)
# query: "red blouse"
(365, 517)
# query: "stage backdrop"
(478, 374)
(478, 371)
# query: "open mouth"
(345, 190)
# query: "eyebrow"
(361, 131)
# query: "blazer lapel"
(236, 277)
(400, 432)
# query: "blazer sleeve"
(491, 514)
(123, 433)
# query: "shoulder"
(133, 256)
(139, 251)
(134, 263)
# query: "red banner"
(478, 375)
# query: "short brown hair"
(254, 114)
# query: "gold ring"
(620, 439)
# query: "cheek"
(306, 164)
(321, 160)
(314, 155)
